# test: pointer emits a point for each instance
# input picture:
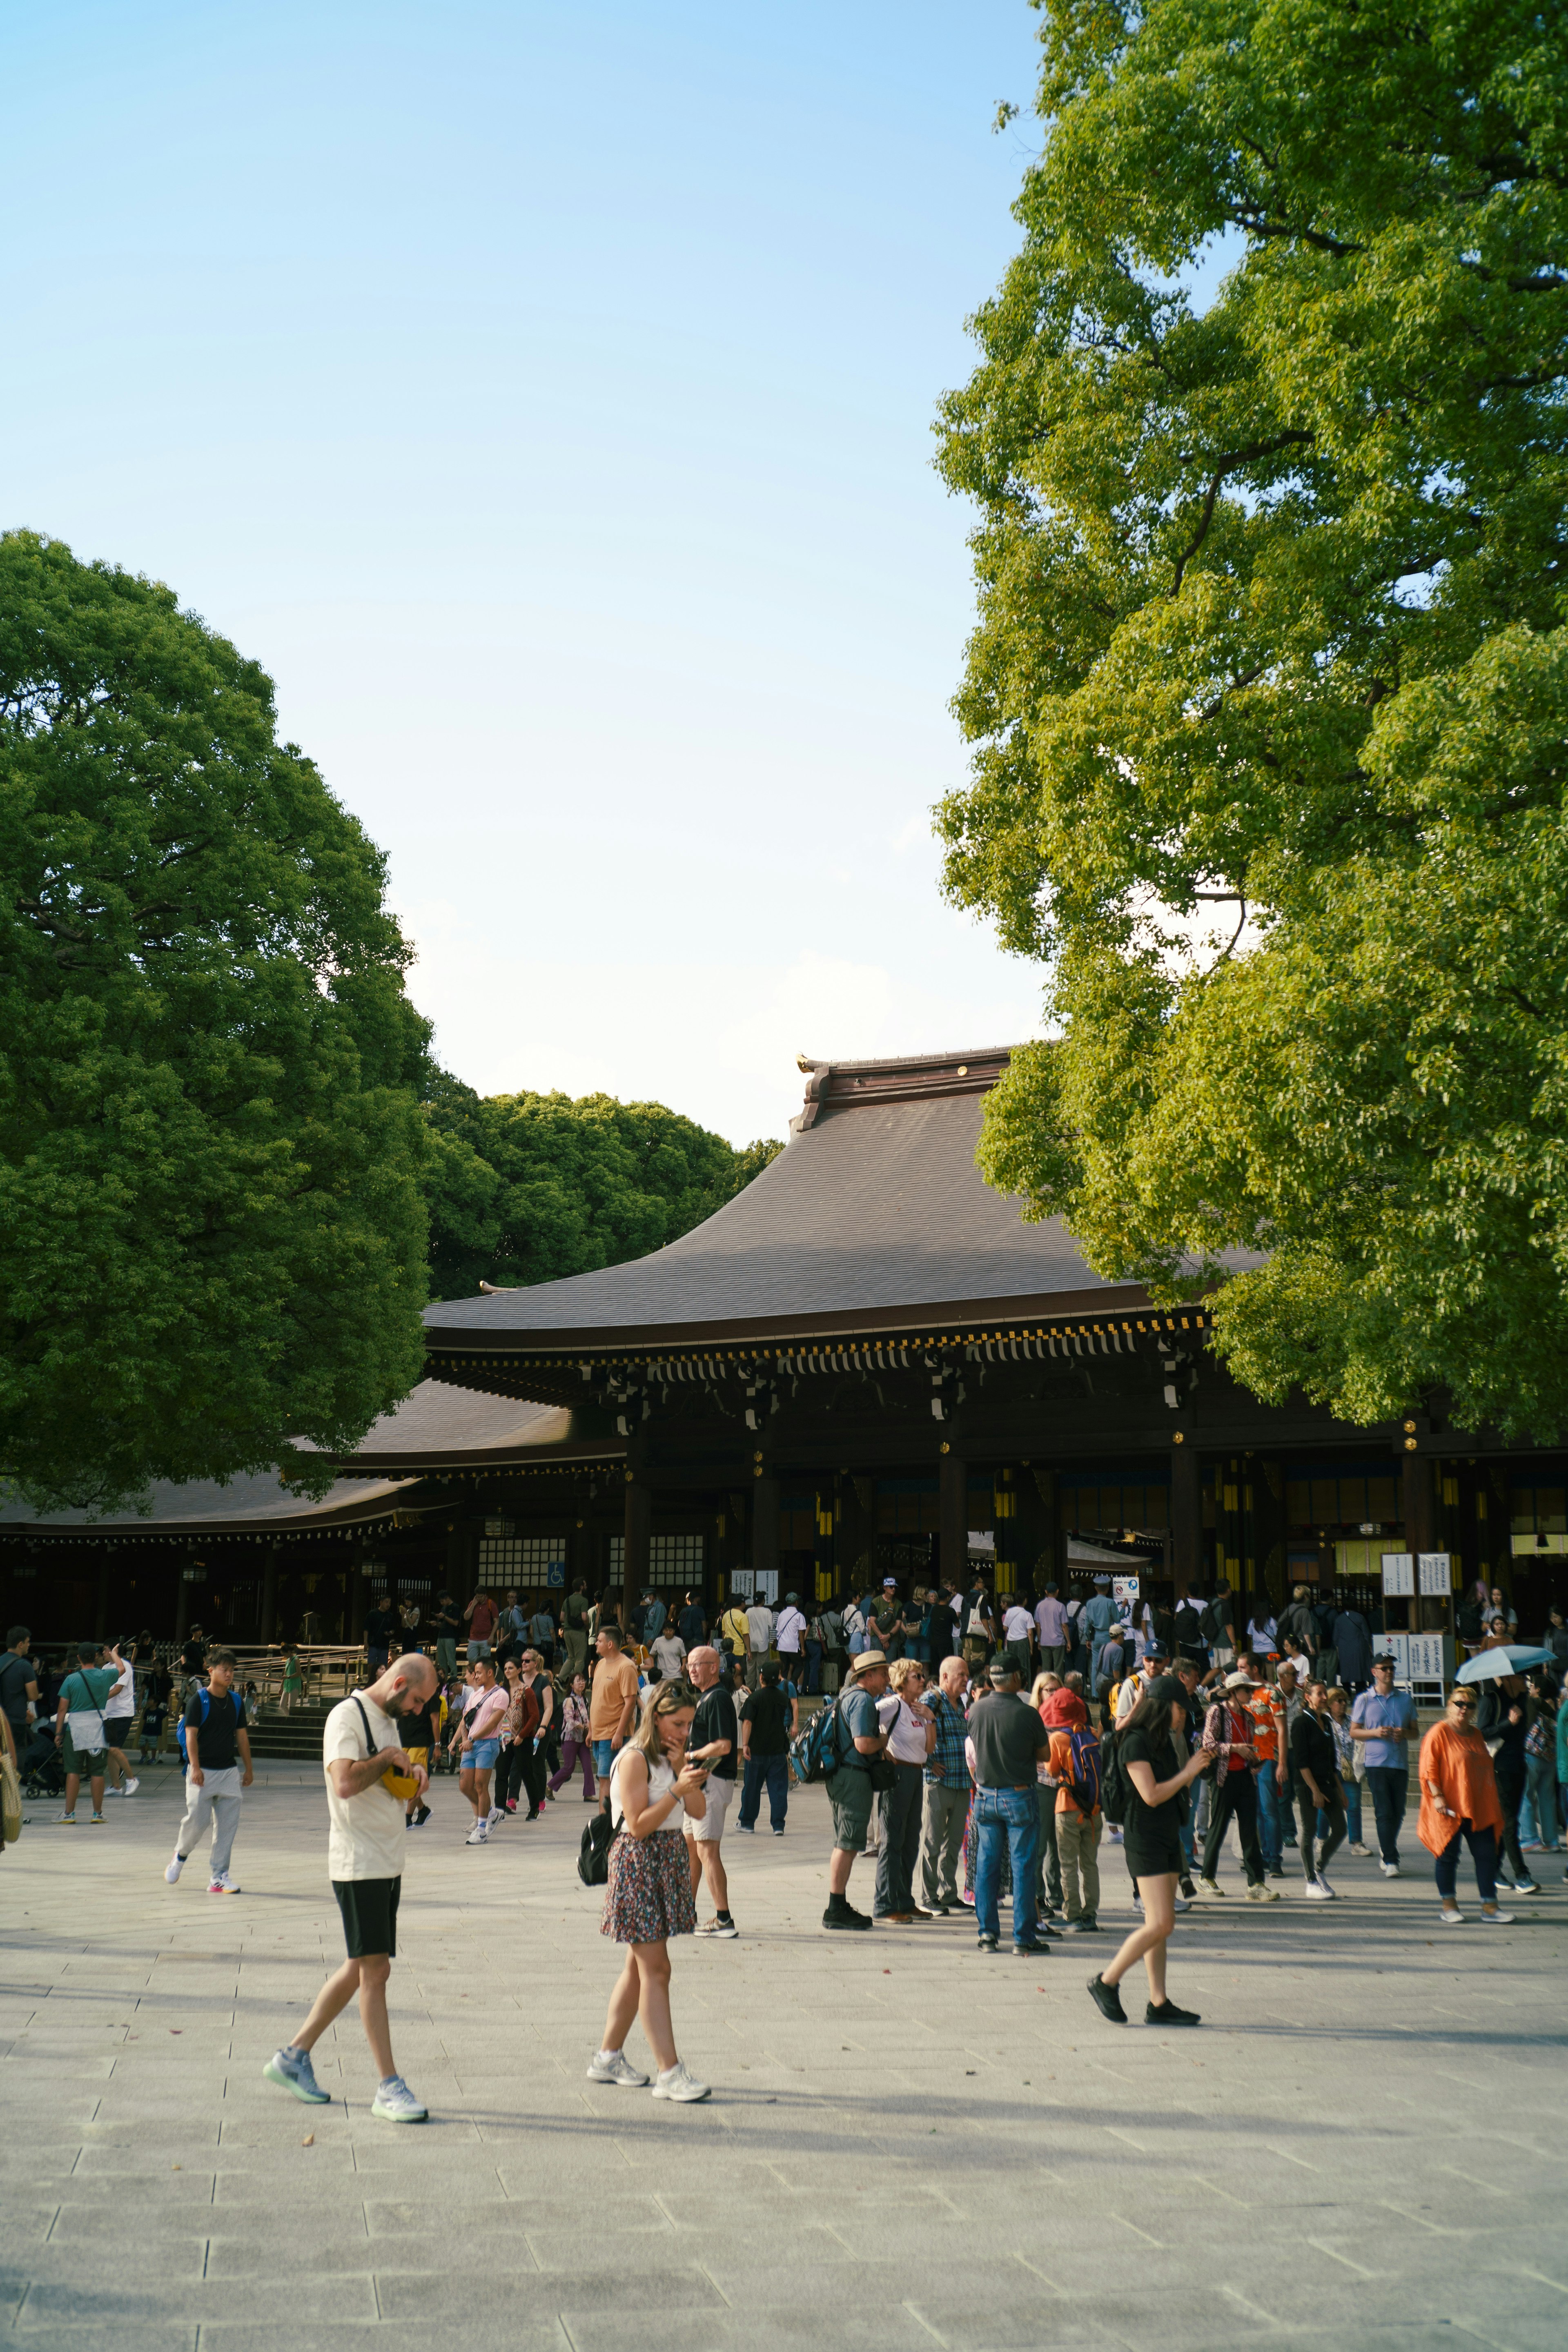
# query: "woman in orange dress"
(1459, 1800)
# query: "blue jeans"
(1013, 1816)
(1540, 1798)
(604, 1757)
(771, 1772)
(1352, 1794)
(1271, 1802)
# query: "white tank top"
(660, 1782)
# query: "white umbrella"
(1509, 1658)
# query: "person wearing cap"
(1007, 1745)
(1228, 1746)
(788, 1635)
(858, 1740)
(1383, 1720)
(1156, 1661)
(887, 1628)
(1078, 1819)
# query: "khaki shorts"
(849, 1793)
(710, 1828)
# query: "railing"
(328, 1669)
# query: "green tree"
(212, 1230)
(1269, 692)
(527, 1187)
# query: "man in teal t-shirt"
(79, 1726)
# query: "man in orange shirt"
(1267, 1745)
(611, 1707)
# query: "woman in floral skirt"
(649, 1897)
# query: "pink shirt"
(485, 1721)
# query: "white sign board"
(1432, 1569)
(1420, 1657)
(1123, 1589)
(765, 1585)
(1399, 1573)
(740, 1584)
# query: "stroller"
(40, 1767)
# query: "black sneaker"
(1107, 1999)
(1187, 1888)
(1031, 1951)
(845, 1918)
(986, 1944)
(1168, 2013)
(1079, 1927)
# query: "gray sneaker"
(676, 2084)
(291, 2070)
(395, 2103)
(614, 2066)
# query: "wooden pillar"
(638, 1529)
(765, 1528)
(182, 1600)
(953, 1514)
(1419, 1517)
(270, 1595)
(358, 1589)
(1186, 1517)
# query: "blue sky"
(544, 393)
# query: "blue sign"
(555, 1574)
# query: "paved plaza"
(907, 2145)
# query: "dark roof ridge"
(897, 1079)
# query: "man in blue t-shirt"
(858, 1740)
(1382, 1724)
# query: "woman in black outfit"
(1156, 1778)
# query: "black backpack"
(594, 1850)
(1215, 1617)
(1113, 1781)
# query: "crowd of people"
(983, 1752)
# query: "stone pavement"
(907, 2145)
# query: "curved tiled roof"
(875, 1216)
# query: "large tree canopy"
(1269, 689)
(526, 1188)
(212, 1230)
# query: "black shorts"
(369, 1906)
(1152, 1858)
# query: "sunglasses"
(1463, 1706)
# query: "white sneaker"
(222, 1884)
(1496, 1918)
(112, 1792)
(614, 2066)
(1327, 1888)
(493, 1816)
(175, 1866)
(675, 2082)
(724, 1928)
(1362, 1850)
(1316, 1892)
(395, 2103)
(1183, 1902)
(1389, 1869)
(1451, 1918)
(131, 1787)
(478, 1835)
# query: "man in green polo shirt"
(79, 1726)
